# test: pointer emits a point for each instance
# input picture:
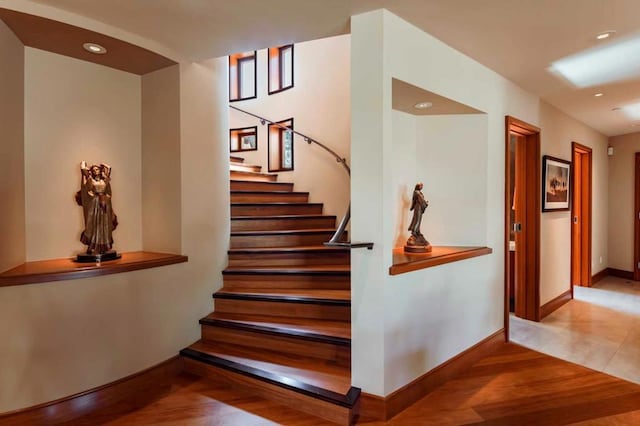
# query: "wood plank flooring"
(513, 386)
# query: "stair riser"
(332, 412)
(252, 177)
(283, 309)
(259, 224)
(244, 168)
(291, 259)
(267, 197)
(260, 186)
(276, 210)
(236, 159)
(339, 354)
(246, 241)
(237, 282)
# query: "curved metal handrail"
(337, 236)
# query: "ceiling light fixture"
(597, 95)
(94, 48)
(605, 34)
(423, 105)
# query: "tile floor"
(599, 329)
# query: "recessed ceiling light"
(597, 95)
(94, 48)
(605, 34)
(423, 105)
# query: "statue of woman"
(418, 205)
(95, 198)
(417, 243)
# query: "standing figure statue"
(416, 242)
(99, 219)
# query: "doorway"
(522, 220)
(581, 216)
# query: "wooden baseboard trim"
(555, 303)
(620, 273)
(383, 408)
(137, 389)
(599, 276)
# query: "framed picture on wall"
(556, 179)
(248, 141)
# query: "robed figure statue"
(417, 242)
(99, 219)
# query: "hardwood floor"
(513, 386)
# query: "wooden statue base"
(418, 249)
(97, 258)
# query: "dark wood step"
(269, 197)
(298, 303)
(251, 185)
(236, 159)
(326, 277)
(286, 238)
(326, 340)
(274, 209)
(289, 256)
(282, 222)
(252, 176)
(242, 167)
(319, 388)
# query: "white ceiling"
(517, 38)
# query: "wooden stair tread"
(284, 216)
(338, 331)
(299, 269)
(292, 249)
(235, 159)
(308, 372)
(284, 231)
(248, 173)
(332, 296)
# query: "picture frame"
(248, 141)
(556, 184)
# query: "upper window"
(280, 68)
(242, 76)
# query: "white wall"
(426, 317)
(12, 228)
(621, 200)
(319, 103)
(75, 111)
(161, 214)
(69, 336)
(558, 130)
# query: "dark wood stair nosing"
(289, 271)
(274, 331)
(274, 203)
(288, 250)
(251, 191)
(285, 217)
(282, 299)
(282, 232)
(347, 401)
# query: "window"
(280, 68)
(280, 143)
(242, 76)
(244, 139)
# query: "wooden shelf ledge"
(407, 262)
(67, 269)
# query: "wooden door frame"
(636, 221)
(533, 212)
(584, 150)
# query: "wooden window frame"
(243, 131)
(238, 74)
(281, 145)
(280, 69)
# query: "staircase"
(281, 328)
